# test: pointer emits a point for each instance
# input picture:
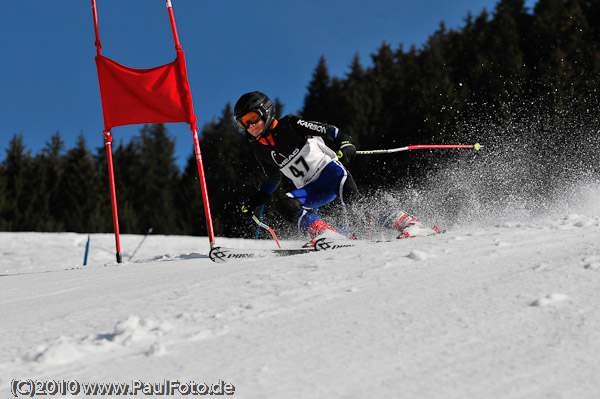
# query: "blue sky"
(48, 76)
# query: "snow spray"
(531, 164)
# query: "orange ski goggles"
(249, 119)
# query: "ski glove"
(253, 203)
(346, 153)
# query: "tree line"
(499, 66)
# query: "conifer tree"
(157, 180)
(46, 173)
(384, 84)
(80, 189)
(318, 101)
(358, 105)
(3, 197)
(16, 167)
(470, 64)
(128, 173)
(188, 201)
(384, 80)
(546, 52)
(104, 205)
(504, 50)
(582, 53)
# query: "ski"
(224, 254)
(327, 244)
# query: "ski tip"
(216, 255)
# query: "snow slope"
(503, 310)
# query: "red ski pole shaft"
(264, 226)
(475, 146)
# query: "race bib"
(305, 165)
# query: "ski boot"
(319, 229)
(410, 227)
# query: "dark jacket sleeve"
(325, 130)
(312, 128)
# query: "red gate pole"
(173, 26)
(96, 30)
(194, 128)
(113, 193)
(209, 223)
(108, 142)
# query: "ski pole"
(87, 251)
(260, 217)
(475, 146)
(264, 226)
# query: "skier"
(295, 148)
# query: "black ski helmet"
(257, 102)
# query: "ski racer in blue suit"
(295, 148)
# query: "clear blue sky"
(48, 76)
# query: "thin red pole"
(113, 193)
(108, 142)
(209, 223)
(173, 26)
(476, 146)
(428, 146)
(96, 30)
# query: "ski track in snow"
(499, 311)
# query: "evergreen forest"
(461, 86)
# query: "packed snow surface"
(505, 309)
